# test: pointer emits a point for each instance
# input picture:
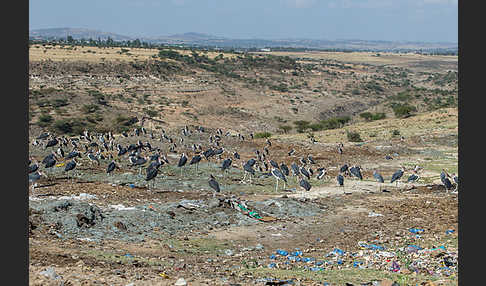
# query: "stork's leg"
(244, 176)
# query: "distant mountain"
(199, 39)
(76, 33)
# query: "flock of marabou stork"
(103, 147)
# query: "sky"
(383, 20)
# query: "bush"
(63, 126)
(151, 113)
(58, 102)
(378, 116)
(263, 135)
(372, 116)
(90, 108)
(285, 128)
(353, 136)
(403, 110)
(366, 115)
(44, 120)
(396, 132)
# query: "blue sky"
(387, 20)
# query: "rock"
(120, 226)
(180, 282)
(213, 203)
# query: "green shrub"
(396, 132)
(378, 116)
(58, 102)
(366, 115)
(63, 126)
(90, 108)
(44, 120)
(263, 135)
(151, 113)
(353, 136)
(403, 110)
(285, 128)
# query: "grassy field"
(97, 54)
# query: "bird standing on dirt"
(397, 175)
(151, 174)
(34, 167)
(278, 176)
(444, 177)
(248, 169)
(344, 169)
(456, 180)
(305, 184)
(195, 160)
(93, 158)
(378, 177)
(111, 167)
(413, 178)
(285, 170)
(51, 143)
(226, 164)
(340, 180)
(321, 173)
(34, 177)
(70, 166)
(304, 172)
(214, 185)
(50, 162)
(356, 171)
(182, 161)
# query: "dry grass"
(436, 122)
(96, 54)
(367, 57)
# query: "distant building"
(265, 50)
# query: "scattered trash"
(259, 247)
(163, 275)
(50, 273)
(282, 252)
(228, 252)
(449, 231)
(373, 214)
(416, 230)
(395, 267)
(121, 207)
(363, 245)
(337, 251)
(181, 282)
(81, 196)
(413, 248)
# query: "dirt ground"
(94, 229)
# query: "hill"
(87, 87)
(200, 39)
